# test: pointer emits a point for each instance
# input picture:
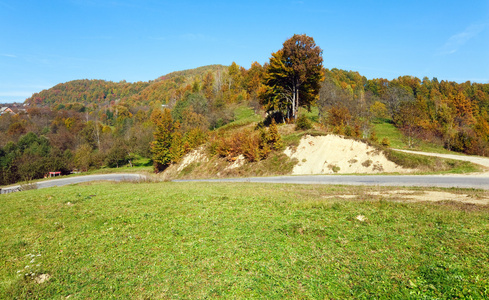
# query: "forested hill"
(194, 73)
(96, 93)
(170, 87)
(86, 92)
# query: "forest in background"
(87, 124)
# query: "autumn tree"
(118, 155)
(83, 158)
(464, 110)
(332, 95)
(275, 140)
(253, 78)
(167, 140)
(378, 110)
(409, 119)
(338, 116)
(292, 78)
(235, 77)
(481, 129)
(208, 85)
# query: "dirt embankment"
(329, 154)
(334, 154)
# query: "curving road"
(77, 179)
(447, 181)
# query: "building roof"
(5, 109)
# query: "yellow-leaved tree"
(167, 146)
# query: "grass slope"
(385, 129)
(209, 240)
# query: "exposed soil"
(334, 154)
(194, 156)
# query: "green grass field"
(216, 240)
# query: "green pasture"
(239, 241)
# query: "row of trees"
(86, 92)
(451, 114)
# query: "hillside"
(93, 93)
(329, 154)
(302, 153)
(92, 124)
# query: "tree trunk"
(297, 102)
(293, 104)
(296, 99)
(97, 133)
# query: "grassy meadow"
(237, 240)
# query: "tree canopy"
(293, 76)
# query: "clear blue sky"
(43, 43)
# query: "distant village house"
(4, 110)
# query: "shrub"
(194, 138)
(367, 163)
(338, 116)
(253, 145)
(252, 148)
(373, 137)
(229, 146)
(117, 156)
(385, 142)
(334, 168)
(353, 131)
(274, 139)
(303, 123)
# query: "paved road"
(462, 181)
(78, 179)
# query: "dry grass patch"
(416, 195)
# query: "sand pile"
(334, 154)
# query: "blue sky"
(43, 43)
